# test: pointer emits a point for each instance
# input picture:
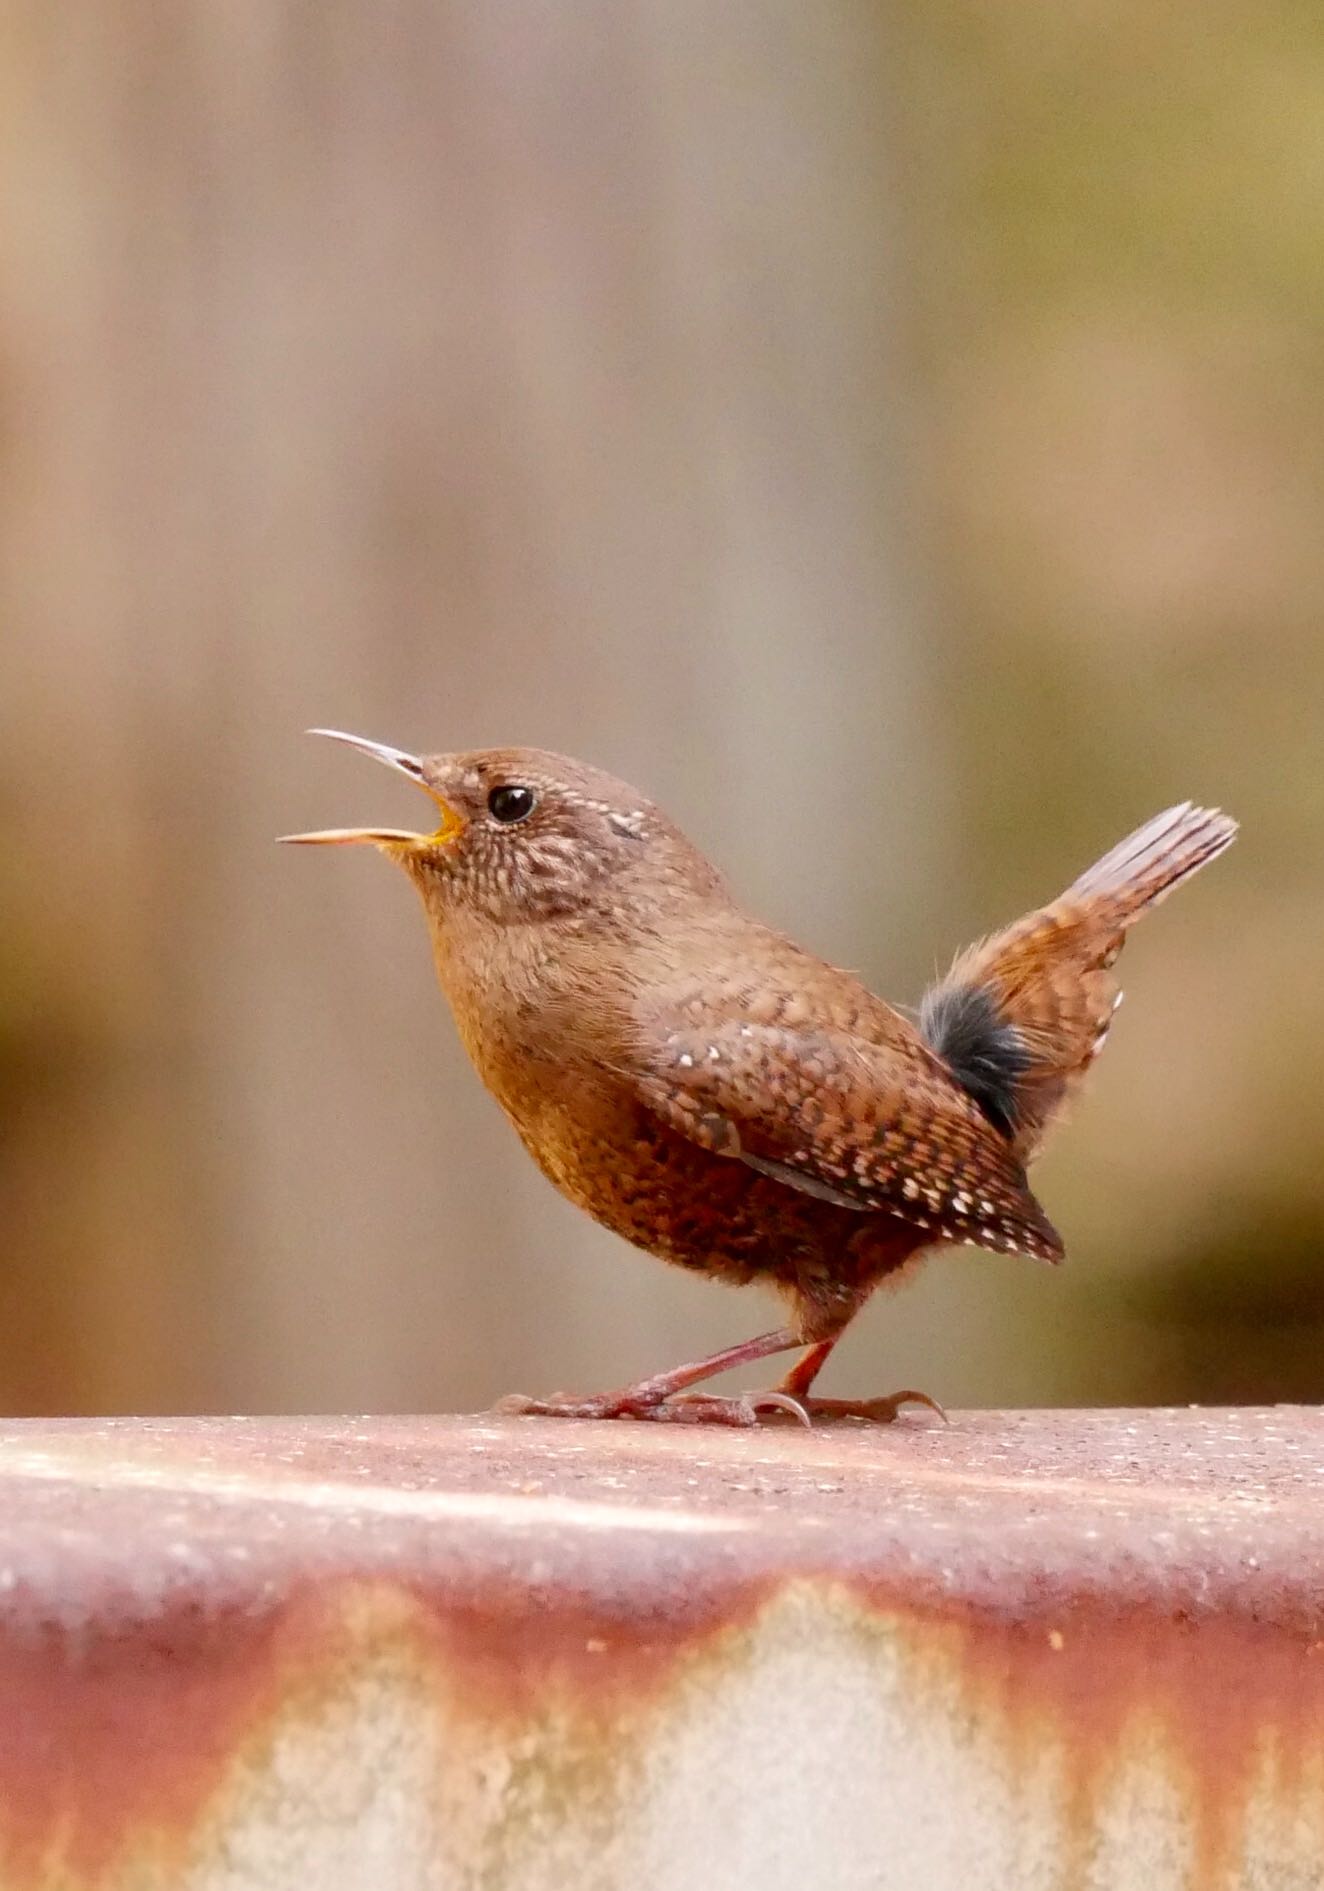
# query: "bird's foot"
(877, 1411)
(687, 1408)
(706, 1408)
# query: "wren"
(721, 1097)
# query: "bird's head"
(523, 834)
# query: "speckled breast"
(661, 1192)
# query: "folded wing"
(847, 1121)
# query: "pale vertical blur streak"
(456, 373)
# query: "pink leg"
(648, 1398)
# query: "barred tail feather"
(1144, 867)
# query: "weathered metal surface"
(1023, 1650)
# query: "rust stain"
(1065, 1602)
(1221, 1694)
(106, 1735)
(105, 1739)
(507, 1661)
(115, 1735)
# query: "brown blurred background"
(894, 437)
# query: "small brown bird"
(719, 1096)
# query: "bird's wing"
(851, 1122)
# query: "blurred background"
(893, 437)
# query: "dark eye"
(511, 804)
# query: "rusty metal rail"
(1028, 1651)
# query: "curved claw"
(709, 1408)
(781, 1402)
(917, 1398)
(877, 1411)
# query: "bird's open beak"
(451, 821)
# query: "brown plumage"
(719, 1096)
